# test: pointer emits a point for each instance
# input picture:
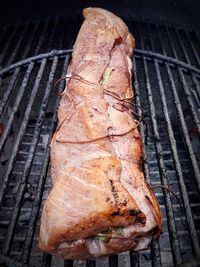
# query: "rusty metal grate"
(167, 90)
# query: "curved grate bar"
(137, 52)
(152, 94)
(37, 58)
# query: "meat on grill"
(100, 203)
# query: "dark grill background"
(22, 40)
(171, 156)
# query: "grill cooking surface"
(168, 92)
(33, 37)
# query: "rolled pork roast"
(100, 203)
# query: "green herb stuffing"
(103, 237)
(112, 232)
(119, 231)
(106, 75)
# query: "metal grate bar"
(192, 47)
(171, 43)
(155, 244)
(134, 259)
(19, 137)
(169, 208)
(178, 105)
(7, 262)
(9, 41)
(182, 46)
(137, 100)
(51, 39)
(160, 40)
(161, 58)
(134, 256)
(27, 61)
(113, 261)
(151, 169)
(46, 260)
(197, 36)
(193, 233)
(5, 32)
(164, 180)
(196, 93)
(155, 250)
(15, 75)
(42, 36)
(13, 55)
(187, 59)
(27, 167)
(150, 39)
(190, 100)
(39, 122)
(28, 46)
(138, 53)
(183, 123)
(90, 263)
(188, 211)
(155, 253)
(37, 200)
(190, 220)
(184, 129)
(68, 263)
(16, 106)
(6, 96)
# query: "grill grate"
(166, 89)
(23, 40)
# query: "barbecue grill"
(34, 55)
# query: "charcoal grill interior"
(34, 54)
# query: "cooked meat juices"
(100, 203)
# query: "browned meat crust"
(96, 151)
